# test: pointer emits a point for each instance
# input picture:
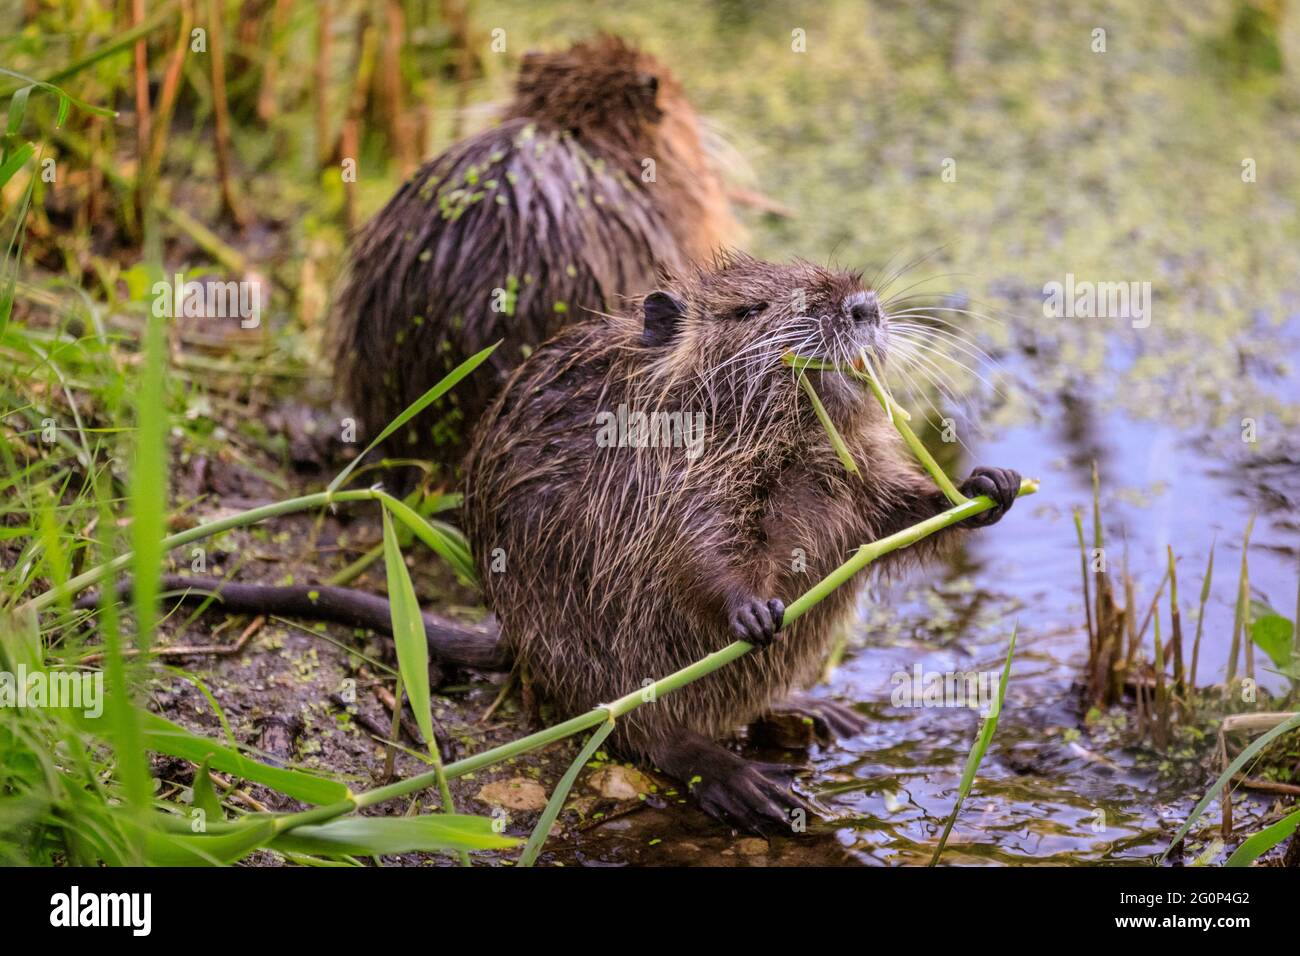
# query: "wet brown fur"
(620, 564)
(549, 206)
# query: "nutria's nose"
(863, 307)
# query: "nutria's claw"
(757, 621)
(1000, 484)
(756, 797)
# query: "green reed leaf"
(378, 836)
(408, 630)
(446, 384)
(1263, 841)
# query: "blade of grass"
(553, 806)
(408, 630)
(447, 542)
(379, 836)
(163, 736)
(1200, 615)
(1161, 704)
(445, 385)
(1243, 600)
(1225, 778)
(412, 646)
(1263, 841)
(164, 848)
(205, 795)
(149, 482)
(1175, 626)
(14, 251)
(837, 441)
(976, 755)
(123, 729)
(15, 162)
(64, 97)
(1087, 593)
(900, 419)
(897, 416)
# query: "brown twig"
(349, 142)
(1239, 621)
(387, 698)
(141, 83)
(168, 91)
(1266, 786)
(142, 124)
(266, 98)
(375, 728)
(192, 650)
(506, 686)
(1151, 608)
(454, 12)
(1175, 626)
(391, 85)
(324, 9)
(756, 200)
(221, 115)
(244, 796)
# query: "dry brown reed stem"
(221, 115)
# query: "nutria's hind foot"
(831, 721)
(1000, 484)
(748, 795)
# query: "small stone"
(616, 782)
(751, 846)
(517, 793)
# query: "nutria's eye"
(748, 311)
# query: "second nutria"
(593, 182)
(609, 563)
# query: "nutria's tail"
(478, 646)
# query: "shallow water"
(1045, 793)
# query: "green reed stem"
(897, 416)
(553, 806)
(837, 442)
(197, 533)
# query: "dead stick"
(216, 650)
(167, 94)
(1266, 786)
(756, 200)
(221, 115)
(321, 82)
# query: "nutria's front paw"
(756, 621)
(1000, 484)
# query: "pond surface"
(1045, 791)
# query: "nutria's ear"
(663, 317)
